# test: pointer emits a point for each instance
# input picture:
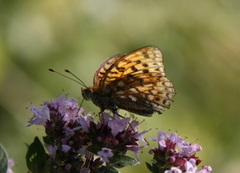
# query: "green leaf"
(105, 169)
(36, 157)
(153, 168)
(149, 166)
(3, 160)
(94, 149)
(120, 161)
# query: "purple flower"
(190, 166)
(52, 151)
(115, 133)
(68, 167)
(69, 132)
(39, 116)
(135, 149)
(65, 148)
(174, 154)
(105, 153)
(206, 169)
(118, 125)
(186, 149)
(66, 107)
(10, 165)
(173, 170)
(84, 122)
(162, 139)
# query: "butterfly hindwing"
(154, 92)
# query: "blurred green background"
(200, 41)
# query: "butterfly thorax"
(87, 93)
(100, 98)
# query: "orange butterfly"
(135, 82)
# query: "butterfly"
(135, 82)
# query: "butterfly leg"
(114, 111)
(101, 111)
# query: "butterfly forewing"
(146, 60)
(103, 76)
(135, 82)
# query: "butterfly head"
(87, 93)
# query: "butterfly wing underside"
(137, 81)
(101, 74)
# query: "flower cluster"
(175, 155)
(76, 142)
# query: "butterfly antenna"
(79, 82)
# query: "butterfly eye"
(87, 93)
